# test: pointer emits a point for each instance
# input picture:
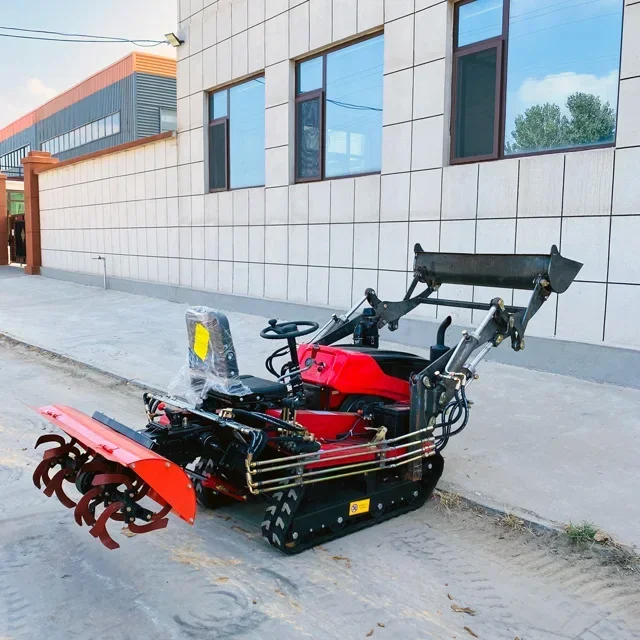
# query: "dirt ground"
(440, 572)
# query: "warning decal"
(359, 506)
(201, 341)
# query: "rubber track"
(334, 535)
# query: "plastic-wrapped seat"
(212, 366)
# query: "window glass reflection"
(354, 109)
(562, 77)
(246, 134)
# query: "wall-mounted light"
(173, 39)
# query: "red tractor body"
(344, 435)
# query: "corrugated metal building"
(133, 98)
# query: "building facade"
(133, 98)
(318, 140)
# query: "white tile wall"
(344, 18)
(626, 195)
(396, 148)
(394, 197)
(398, 93)
(426, 195)
(431, 33)
(398, 41)
(460, 191)
(623, 302)
(581, 312)
(498, 189)
(370, 14)
(624, 266)
(588, 180)
(540, 186)
(323, 243)
(299, 31)
(628, 131)
(429, 89)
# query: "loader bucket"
(113, 471)
(496, 270)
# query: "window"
(168, 120)
(339, 112)
(236, 136)
(15, 202)
(533, 76)
(10, 163)
(101, 128)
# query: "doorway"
(17, 239)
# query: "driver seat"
(265, 388)
(213, 366)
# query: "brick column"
(4, 238)
(32, 163)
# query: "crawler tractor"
(345, 434)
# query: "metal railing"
(12, 172)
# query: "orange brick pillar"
(4, 222)
(35, 161)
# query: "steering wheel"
(288, 330)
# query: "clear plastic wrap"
(211, 360)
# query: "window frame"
(321, 93)
(227, 156)
(501, 44)
(163, 111)
(308, 97)
(226, 121)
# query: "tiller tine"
(113, 473)
(69, 464)
(84, 511)
(56, 485)
(152, 526)
(120, 505)
(42, 473)
(99, 530)
(50, 437)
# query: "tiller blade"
(112, 473)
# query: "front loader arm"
(442, 383)
(543, 274)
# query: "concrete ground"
(561, 448)
(411, 577)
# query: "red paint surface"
(167, 479)
(351, 373)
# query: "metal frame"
(321, 93)
(14, 170)
(225, 121)
(309, 96)
(302, 469)
(498, 126)
(501, 43)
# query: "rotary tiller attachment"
(109, 491)
(118, 494)
(112, 473)
(68, 458)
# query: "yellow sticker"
(359, 506)
(201, 341)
